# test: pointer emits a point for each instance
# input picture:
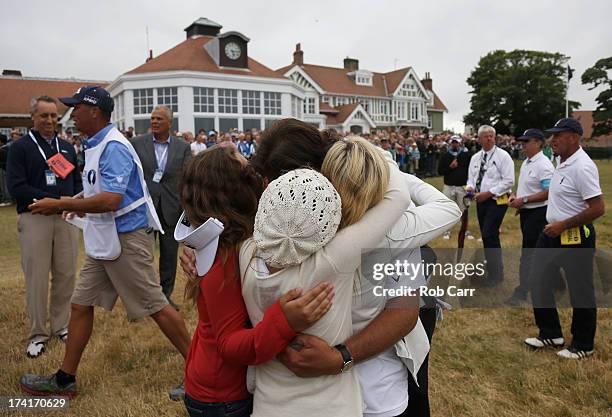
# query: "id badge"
(571, 236)
(157, 176)
(60, 166)
(502, 199)
(51, 179)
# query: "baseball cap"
(212, 133)
(531, 134)
(92, 95)
(567, 124)
(204, 240)
(454, 138)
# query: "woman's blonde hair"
(359, 173)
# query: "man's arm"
(595, 209)
(99, 203)
(316, 358)
(17, 176)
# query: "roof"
(336, 80)
(344, 112)
(326, 108)
(205, 22)
(18, 91)
(585, 117)
(190, 55)
(438, 105)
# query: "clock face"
(232, 51)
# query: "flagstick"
(566, 95)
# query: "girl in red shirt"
(219, 183)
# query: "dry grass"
(478, 365)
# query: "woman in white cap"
(218, 183)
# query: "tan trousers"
(48, 244)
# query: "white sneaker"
(539, 343)
(469, 235)
(479, 239)
(63, 336)
(446, 236)
(35, 348)
(573, 353)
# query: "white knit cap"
(298, 214)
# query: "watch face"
(233, 51)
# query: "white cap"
(204, 240)
(454, 138)
(298, 214)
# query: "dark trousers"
(418, 396)
(532, 224)
(577, 263)
(490, 217)
(241, 408)
(168, 251)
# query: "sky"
(100, 40)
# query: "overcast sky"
(103, 39)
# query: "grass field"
(478, 365)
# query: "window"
(325, 99)
(270, 122)
(226, 124)
(206, 123)
(429, 123)
(251, 103)
(203, 100)
(414, 111)
(248, 124)
(309, 105)
(272, 103)
(167, 96)
(141, 126)
(143, 101)
(228, 101)
(118, 99)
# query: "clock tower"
(233, 50)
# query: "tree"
(517, 90)
(602, 116)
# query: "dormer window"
(361, 77)
(364, 80)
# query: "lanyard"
(40, 149)
(160, 158)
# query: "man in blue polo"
(568, 241)
(118, 216)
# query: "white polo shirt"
(197, 147)
(534, 171)
(573, 182)
(498, 177)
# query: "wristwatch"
(347, 358)
(525, 200)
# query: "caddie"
(118, 217)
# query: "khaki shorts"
(456, 194)
(131, 277)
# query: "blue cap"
(566, 124)
(93, 96)
(531, 134)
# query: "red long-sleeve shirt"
(223, 343)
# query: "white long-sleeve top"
(498, 177)
(384, 378)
